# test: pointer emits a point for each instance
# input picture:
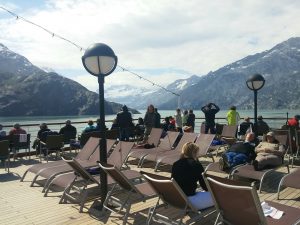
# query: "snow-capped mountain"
(280, 66)
(15, 63)
(140, 98)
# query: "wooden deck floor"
(22, 204)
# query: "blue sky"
(162, 40)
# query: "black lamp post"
(254, 83)
(100, 61)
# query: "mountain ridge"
(27, 90)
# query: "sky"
(161, 40)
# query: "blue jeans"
(235, 158)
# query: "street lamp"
(254, 83)
(100, 61)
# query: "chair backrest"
(21, 141)
(202, 128)
(287, 132)
(80, 171)
(283, 139)
(219, 128)
(168, 141)
(112, 134)
(54, 141)
(168, 191)
(121, 179)
(96, 154)
(120, 153)
(229, 131)
(88, 149)
(204, 141)
(4, 149)
(236, 203)
(69, 135)
(154, 136)
(86, 135)
(186, 137)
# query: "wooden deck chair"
(4, 154)
(248, 171)
(153, 139)
(228, 135)
(239, 204)
(165, 144)
(173, 154)
(171, 195)
(84, 154)
(50, 173)
(142, 190)
(290, 180)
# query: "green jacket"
(233, 117)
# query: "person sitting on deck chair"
(187, 171)
(269, 153)
(239, 153)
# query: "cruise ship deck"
(22, 204)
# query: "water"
(9, 121)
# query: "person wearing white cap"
(269, 153)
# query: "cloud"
(195, 36)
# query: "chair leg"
(23, 177)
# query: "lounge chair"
(142, 190)
(170, 156)
(165, 144)
(171, 195)
(290, 180)
(116, 157)
(248, 171)
(288, 144)
(50, 173)
(153, 139)
(228, 135)
(84, 154)
(4, 154)
(239, 204)
(203, 141)
(80, 177)
(160, 153)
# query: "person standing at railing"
(210, 110)
(233, 117)
(124, 121)
(294, 122)
(178, 120)
(150, 121)
(184, 117)
(191, 120)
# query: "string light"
(81, 49)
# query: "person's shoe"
(224, 164)
(255, 165)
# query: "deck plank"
(22, 204)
